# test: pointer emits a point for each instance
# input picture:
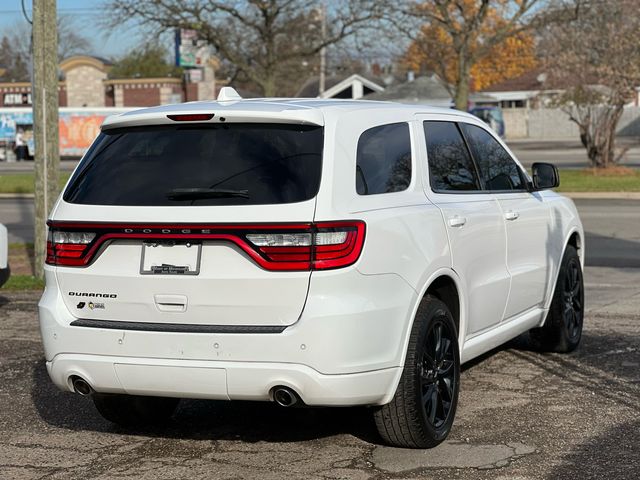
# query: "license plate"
(170, 258)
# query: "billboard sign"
(77, 127)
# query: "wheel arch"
(575, 238)
(445, 285)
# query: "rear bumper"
(219, 380)
(346, 349)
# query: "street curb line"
(603, 195)
(16, 195)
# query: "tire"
(562, 329)
(133, 410)
(424, 405)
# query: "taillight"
(325, 246)
(68, 248)
(276, 247)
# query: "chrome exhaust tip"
(81, 387)
(285, 396)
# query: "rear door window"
(383, 163)
(230, 164)
(450, 165)
(499, 171)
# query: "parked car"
(492, 116)
(5, 271)
(310, 252)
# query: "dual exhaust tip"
(283, 396)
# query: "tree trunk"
(598, 127)
(461, 97)
(269, 88)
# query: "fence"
(549, 123)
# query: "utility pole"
(323, 50)
(44, 92)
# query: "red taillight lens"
(191, 117)
(68, 247)
(276, 247)
(324, 246)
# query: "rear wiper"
(201, 193)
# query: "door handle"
(511, 215)
(457, 221)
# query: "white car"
(5, 271)
(317, 252)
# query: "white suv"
(316, 252)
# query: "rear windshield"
(230, 164)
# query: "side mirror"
(545, 176)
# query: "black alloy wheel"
(437, 375)
(573, 296)
(562, 329)
(422, 410)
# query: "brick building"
(85, 82)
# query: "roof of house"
(311, 88)
(532, 80)
(74, 61)
(421, 89)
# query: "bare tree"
(70, 42)
(468, 28)
(596, 59)
(267, 41)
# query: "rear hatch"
(192, 224)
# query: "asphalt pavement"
(522, 415)
(564, 153)
(569, 153)
(612, 228)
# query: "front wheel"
(134, 410)
(422, 410)
(562, 330)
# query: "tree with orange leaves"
(464, 40)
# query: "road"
(568, 153)
(564, 153)
(612, 228)
(522, 415)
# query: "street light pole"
(44, 91)
(323, 50)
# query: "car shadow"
(208, 419)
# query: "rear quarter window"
(182, 165)
(383, 159)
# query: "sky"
(85, 14)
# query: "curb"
(16, 195)
(603, 195)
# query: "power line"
(24, 12)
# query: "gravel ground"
(522, 415)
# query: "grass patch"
(23, 282)
(594, 181)
(23, 182)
